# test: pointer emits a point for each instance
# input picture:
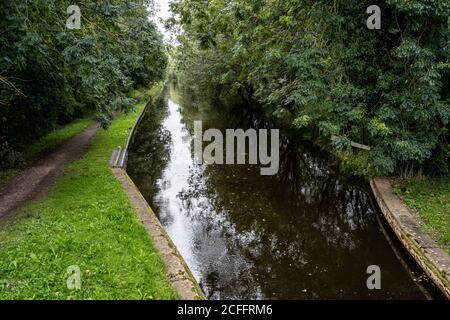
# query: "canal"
(306, 233)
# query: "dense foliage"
(316, 68)
(51, 74)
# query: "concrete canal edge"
(408, 227)
(178, 273)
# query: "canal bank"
(178, 273)
(86, 223)
(306, 234)
(409, 229)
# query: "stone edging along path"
(178, 273)
(408, 228)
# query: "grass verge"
(88, 222)
(431, 199)
(47, 143)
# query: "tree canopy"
(51, 74)
(315, 67)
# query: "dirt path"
(36, 181)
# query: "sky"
(163, 12)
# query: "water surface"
(304, 234)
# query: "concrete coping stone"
(408, 227)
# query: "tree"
(51, 74)
(314, 66)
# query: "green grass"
(431, 198)
(58, 136)
(86, 221)
(6, 174)
(47, 143)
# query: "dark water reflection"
(304, 234)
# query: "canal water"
(307, 233)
